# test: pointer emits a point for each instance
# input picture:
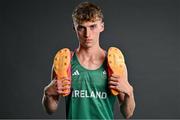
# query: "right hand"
(58, 87)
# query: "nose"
(87, 33)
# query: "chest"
(91, 64)
(83, 79)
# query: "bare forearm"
(128, 105)
(50, 103)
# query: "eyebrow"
(87, 26)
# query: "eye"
(80, 28)
(92, 27)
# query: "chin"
(87, 46)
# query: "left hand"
(119, 84)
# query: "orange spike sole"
(115, 63)
(62, 64)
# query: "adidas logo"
(75, 73)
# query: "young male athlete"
(88, 92)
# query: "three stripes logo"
(75, 73)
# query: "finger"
(63, 92)
(112, 87)
(62, 81)
(113, 83)
(115, 87)
(114, 79)
(67, 87)
(66, 82)
(63, 87)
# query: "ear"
(102, 26)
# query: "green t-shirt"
(90, 97)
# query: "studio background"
(147, 32)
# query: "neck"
(91, 58)
(92, 52)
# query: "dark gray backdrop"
(147, 31)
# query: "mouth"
(88, 40)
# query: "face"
(88, 33)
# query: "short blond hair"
(87, 11)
